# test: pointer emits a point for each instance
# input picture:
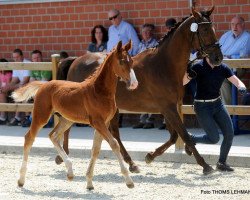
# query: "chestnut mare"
(90, 102)
(160, 73)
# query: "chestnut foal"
(90, 102)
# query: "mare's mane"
(168, 35)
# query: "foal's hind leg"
(114, 129)
(97, 142)
(103, 130)
(58, 158)
(56, 136)
(40, 118)
(160, 150)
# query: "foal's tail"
(26, 92)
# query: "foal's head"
(122, 65)
(204, 37)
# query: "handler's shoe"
(224, 167)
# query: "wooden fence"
(53, 66)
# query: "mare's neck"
(106, 80)
(178, 49)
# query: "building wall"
(56, 26)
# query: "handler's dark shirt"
(209, 80)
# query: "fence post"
(55, 63)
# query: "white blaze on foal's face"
(133, 80)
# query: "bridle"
(204, 49)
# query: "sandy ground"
(159, 180)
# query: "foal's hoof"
(58, 160)
(208, 170)
(188, 152)
(20, 183)
(134, 169)
(70, 177)
(130, 185)
(149, 158)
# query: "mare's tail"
(26, 92)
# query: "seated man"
(36, 75)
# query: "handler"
(209, 108)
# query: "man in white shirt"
(234, 44)
(19, 78)
(121, 31)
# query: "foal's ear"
(196, 14)
(128, 46)
(119, 46)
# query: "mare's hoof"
(131, 185)
(20, 184)
(188, 152)
(149, 158)
(58, 160)
(134, 169)
(208, 170)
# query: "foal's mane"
(98, 70)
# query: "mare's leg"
(103, 130)
(58, 158)
(175, 121)
(114, 129)
(39, 119)
(160, 150)
(56, 136)
(97, 142)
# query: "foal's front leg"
(103, 130)
(97, 142)
(56, 136)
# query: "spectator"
(121, 30)
(5, 78)
(63, 55)
(170, 23)
(99, 38)
(234, 44)
(148, 41)
(19, 78)
(209, 108)
(36, 75)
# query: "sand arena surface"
(159, 180)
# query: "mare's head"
(122, 65)
(204, 39)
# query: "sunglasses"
(114, 17)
